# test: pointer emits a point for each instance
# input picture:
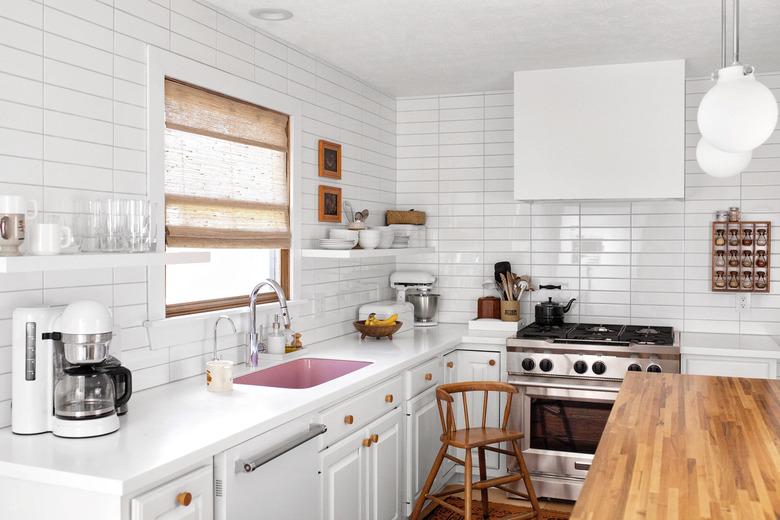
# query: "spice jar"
(760, 280)
(720, 237)
(733, 258)
(722, 216)
(733, 279)
(747, 280)
(760, 258)
(747, 237)
(734, 214)
(720, 259)
(761, 238)
(720, 280)
(734, 237)
(747, 259)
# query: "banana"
(373, 321)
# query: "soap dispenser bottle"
(276, 339)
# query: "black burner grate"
(648, 335)
(536, 331)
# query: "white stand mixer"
(415, 287)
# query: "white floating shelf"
(365, 253)
(27, 264)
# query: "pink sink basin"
(301, 373)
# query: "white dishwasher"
(272, 476)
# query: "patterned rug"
(497, 511)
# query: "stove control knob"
(528, 364)
(654, 368)
(633, 367)
(599, 368)
(546, 365)
(580, 367)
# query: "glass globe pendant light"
(739, 113)
(717, 163)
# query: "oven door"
(562, 420)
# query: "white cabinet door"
(163, 503)
(344, 479)
(423, 429)
(385, 464)
(475, 365)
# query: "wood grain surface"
(687, 447)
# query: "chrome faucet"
(254, 340)
(216, 325)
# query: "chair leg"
(418, 506)
(483, 476)
(529, 487)
(467, 486)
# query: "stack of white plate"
(336, 243)
(400, 242)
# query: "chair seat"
(474, 437)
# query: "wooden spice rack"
(741, 256)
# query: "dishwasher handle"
(248, 466)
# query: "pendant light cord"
(736, 32)
(722, 34)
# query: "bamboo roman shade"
(226, 179)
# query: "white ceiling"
(417, 47)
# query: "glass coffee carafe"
(85, 393)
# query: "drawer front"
(354, 413)
(423, 376)
(189, 497)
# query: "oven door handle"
(564, 386)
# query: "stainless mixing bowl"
(425, 305)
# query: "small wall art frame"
(329, 160)
(329, 204)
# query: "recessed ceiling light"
(271, 14)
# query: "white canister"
(219, 375)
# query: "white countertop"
(734, 345)
(171, 427)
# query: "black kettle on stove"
(551, 313)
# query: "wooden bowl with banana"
(377, 328)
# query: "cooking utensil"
(501, 268)
(349, 212)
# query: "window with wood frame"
(227, 191)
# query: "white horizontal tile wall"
(73, 105)
(625, 261)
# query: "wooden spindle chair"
(482, 438)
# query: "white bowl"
(369, 239)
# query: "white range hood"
(603, 132)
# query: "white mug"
(14, 209)
(219, 375)
(48, 239)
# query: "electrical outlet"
(743, 302)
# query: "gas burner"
(596, 332)
(646, 335)
(537, 331)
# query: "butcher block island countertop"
(687, 447)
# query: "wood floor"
(499, 497)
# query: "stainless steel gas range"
(568, 377)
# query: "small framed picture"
(330, 160)
(330, 204)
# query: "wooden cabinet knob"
(428, 376)
(389, 398)
(492, 362)
(450, 364)
(348, 419)
(374, 438)
(366, 443)
(184, 498)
